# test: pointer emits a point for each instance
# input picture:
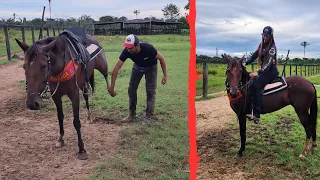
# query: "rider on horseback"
(267, 59)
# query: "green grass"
(6, 61)
(158, 151)
(272, 148)
(216, 76)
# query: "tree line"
(281, 60)
(170, 14)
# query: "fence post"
(296, 70)
(290, 70)
(6, 33)
(300, 70)
(205, 80)
(305, 70)
(23, 35)
(47, 31)
(32, 33)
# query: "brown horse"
(298, 92)
(54, 63)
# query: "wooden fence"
(23, 28)
(309, 70)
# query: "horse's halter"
(240, 86)
(42, 93)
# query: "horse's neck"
(60, 60)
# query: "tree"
(171, 12)
(106, 19)
(304, 44)
(184, 22)
(123, 18)
(187, 7)
(136, 12)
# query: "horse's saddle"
(276, 85)
(77, 33)
(85, 48)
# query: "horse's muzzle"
(33, 106)
(33, 102)
(234, 93)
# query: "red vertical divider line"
(193, 158)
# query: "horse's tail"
(314, 114)
(91, 81)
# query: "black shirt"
(145, 58)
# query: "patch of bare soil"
(215, 140)
(27, 139)
(214, 137)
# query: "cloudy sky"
(235, 26)
(95, 8)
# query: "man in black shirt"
(145, 58)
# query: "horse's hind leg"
(58, 102)
(304, 119)
(86, 98)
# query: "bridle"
(242, 86)
(43, 93)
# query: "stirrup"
(86, 88)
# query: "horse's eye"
(43, 66)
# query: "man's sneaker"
(255, 119)
(147, 119)
(129, 118)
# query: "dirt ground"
(27, 140)
(213, 136)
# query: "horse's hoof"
(60, 144)
(239, 154)
(302, 156)
(82, 156)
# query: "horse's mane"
(34, 48)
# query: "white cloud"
(94, 8)
(240, 25)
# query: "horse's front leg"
(74, 97)
(242, 125)
(58, 102)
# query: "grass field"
(216, 76)
(158, 151)
(272, 147)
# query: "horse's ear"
(226, 57)
(49, 46)
(22, 45)
(240, 60)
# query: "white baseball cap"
(130, 41)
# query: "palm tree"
(50, 7)
(304, 44)
(136, 12)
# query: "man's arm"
(160, 57)
(114, 75)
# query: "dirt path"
(27, 140)
(212, 136)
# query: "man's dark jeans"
(151, 84)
